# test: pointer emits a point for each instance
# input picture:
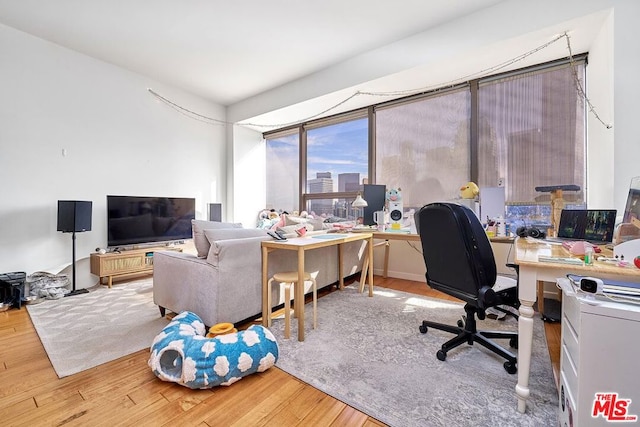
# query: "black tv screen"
(133, 220)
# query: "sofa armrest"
(184, 282)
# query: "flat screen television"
(136, 219)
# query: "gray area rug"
(369, 353)
(87, 330)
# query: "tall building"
(349, 182)
(323, 183)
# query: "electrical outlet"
(500, 182)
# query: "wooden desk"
(301, 245)
(408, 237)
(390, 235)
(531, 271)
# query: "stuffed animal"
(182, 354)
(469, 191)
(394, 195)
(282, 222)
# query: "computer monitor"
(593, 225)
(375, 195)
(632, 209)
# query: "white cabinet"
(599, 361)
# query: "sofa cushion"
(214, 234)
(200, 241)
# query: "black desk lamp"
(74, 216)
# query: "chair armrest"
(486, 297)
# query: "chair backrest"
(456, 250)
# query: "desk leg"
(364, 273)
(386, 258)
(266, 296)
(340, 269)
(527, 296)
(370, 265)
(541, 297)
(299, 295)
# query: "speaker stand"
(73, 269)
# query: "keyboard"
(560, 260)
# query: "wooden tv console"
(125, 263)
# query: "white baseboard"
(401, 275)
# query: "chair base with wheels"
(290, 279)
(467, 333)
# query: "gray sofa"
(223, 282)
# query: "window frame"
(370, 113)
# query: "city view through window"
(337, 161)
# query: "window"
(337, 164)
(422, 147)
(531, 132)
(522, 129)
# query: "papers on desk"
(330, 236)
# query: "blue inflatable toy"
(182, 354)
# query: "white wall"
(117, 139)
(249, 186)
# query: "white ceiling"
(228, 51)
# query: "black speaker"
(215, 212)
(375, 196)
(531, 232)
(74, 216)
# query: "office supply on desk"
(627, 250)
(465, 270)
(607, 287)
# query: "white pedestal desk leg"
(527, 296)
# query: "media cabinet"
(125, 263)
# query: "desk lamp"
(359, 203)
(74, 216)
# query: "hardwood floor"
(125, 391)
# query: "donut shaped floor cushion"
(182, 354)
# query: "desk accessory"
(277, 235)
(394, 199)
(627, 250)
(560, 260)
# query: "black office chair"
(460, 263)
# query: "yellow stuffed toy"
(469, 191)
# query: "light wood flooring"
(125, 391)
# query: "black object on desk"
(12, 288)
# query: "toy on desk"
(469, 191)
(394, 205)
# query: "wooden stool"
(290, 279)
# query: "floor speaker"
(74, 216)
(215, 212)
